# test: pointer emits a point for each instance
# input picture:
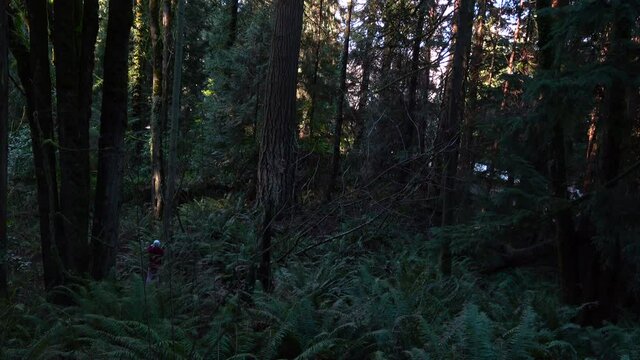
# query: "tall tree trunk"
(167, 44)
(565, 236)
(601, 285)
(4, 145)
(337, 135)
(34, 72)
(139, 105)
(512, 57)
(172, 171)
(87, 61)
(74, 70)
(449, 138)
(366, 64)
(316, 70)
(233, 23)
(276, 165)
(113, 124)
(157, 170)
(475, 65)
(413, 124)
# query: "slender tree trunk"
(512, 57)
(451, 121)
(316, 69)
(157, 170)
(139, 105)
(475, 65)
(413, 127)
(426, 87)
(34, 72)
(167, 43)
(172, 171)
(363, 93)
(591, 156)
(113, 124)
(74, 70)
(276, 165)
(337, 135)
(4, 145)
(233, 23)
(87, 61)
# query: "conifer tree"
(4, 144)
(276, 167)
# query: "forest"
(320, 179)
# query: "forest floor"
(357, 282)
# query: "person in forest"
(156, 252)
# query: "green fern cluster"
(344, 300)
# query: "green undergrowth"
(347, 299)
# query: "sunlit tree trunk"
(276, 165)
(167, 49)
(337, 135)
(450, 123)
(113, 124)
(139, 104)
(601, 283)
(4, 145)
(157, 170)
(512, 56)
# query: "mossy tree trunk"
(4, 145)
(157, 127)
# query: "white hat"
(156, 243)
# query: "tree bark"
(157, 170)
(337, 135)
(172, 166)
(512, 57)
(601, 283)
(139, 104)
(34, 72)
(366, 64)
(475, 65)
(316, 70)
(74, 70)
(113, 124)
(276, 165)
(449, 137)
(4, 145)
(233, 23)
(413, 124)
